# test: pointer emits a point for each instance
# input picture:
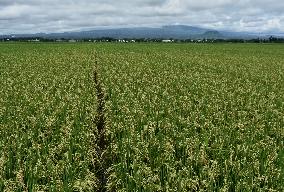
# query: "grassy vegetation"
(179, 117)
(47, 107)
(195, 117)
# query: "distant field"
(176, 117)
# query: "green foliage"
(179, 117)
(195, 117)
(46, 111)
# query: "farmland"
(176, 117)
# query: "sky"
(34, 16)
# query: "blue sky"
(32, 16)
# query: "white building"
(167, 41)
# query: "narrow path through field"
(100, 124)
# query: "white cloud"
(15, 11)
(30, 16)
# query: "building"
(167, 41)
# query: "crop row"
(175, 117)
(194, 117)
(47, 107)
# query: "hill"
(164, 32)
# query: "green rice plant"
(178, 117)
(186, 117)
(47, 136)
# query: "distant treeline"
(271, 39)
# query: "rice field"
(141, 117)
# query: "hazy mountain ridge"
(165, 32)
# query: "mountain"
(164, 32)
(213, 35)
